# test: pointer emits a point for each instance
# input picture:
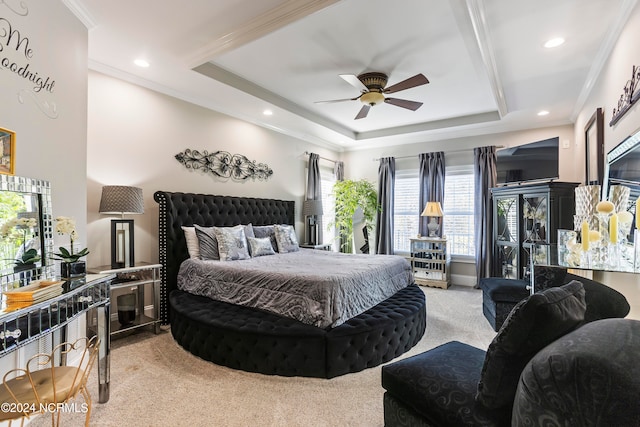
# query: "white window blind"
(458, 210)
(458, 207)
(327, 179)
(405, 210)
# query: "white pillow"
(193, 247)
(286, 238)
(232, 243)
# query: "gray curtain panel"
(484, 172)
(338, 171)
(384, 220)
(431, 185)
(314, 190)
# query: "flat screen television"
(536, 161)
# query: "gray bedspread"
(319, 288)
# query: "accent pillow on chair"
(532, 324)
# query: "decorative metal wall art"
(224, 164)
(629, 96)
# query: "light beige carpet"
(154, 382)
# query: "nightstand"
(430, 262)
(326, 247)
(134, 280)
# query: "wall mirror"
(26, 231)
(622, 167)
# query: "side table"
(430, 261)
(135, 279)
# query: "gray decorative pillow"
(266, 231)
(208, 243)
(286, 239)
(232, 243)
(248, 231)
(260, 246)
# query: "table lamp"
(433, 210)
(312, 209)
(119, 199)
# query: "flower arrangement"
(25, 225)
(66, 225)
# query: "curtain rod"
(448, 151)
(323, 158)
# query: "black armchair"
(499, 295)
(545, 364)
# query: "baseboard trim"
(463, 280)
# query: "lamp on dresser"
(312, 209)
(120, 199)
(433, 210)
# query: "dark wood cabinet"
(527, 214)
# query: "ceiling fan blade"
(409, 105)
(331, 101)
(354, 81)
(363, 112)
(417, 80)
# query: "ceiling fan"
(372, 88)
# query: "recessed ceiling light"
(555, 42)
(543, 113)
(267, 112)
(141, 63)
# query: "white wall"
(459, 151)
(50, 125)
(605, 94)
(134, 134)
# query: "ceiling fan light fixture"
(372, 98)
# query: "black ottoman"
(499, 296)
(438, 388)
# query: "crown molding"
(287, 12)
(81, 13)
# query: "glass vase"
(73, 270)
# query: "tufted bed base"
(258, 341)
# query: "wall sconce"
(312, 209)
(433, 210)
(118, 199)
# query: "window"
(457, 207)
(458, 211)
(406, 211)
(327, 179)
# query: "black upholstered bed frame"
(258, 341)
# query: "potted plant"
(349, 195)
(71, 266)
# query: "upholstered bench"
(499, 296)
(258, 341)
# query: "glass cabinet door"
(508, 261)
(535, 216)
(507, 219)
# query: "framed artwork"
(7, 151)
(594, 148)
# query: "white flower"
(66, 225)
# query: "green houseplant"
(349, 195)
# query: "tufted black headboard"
(187, 209)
